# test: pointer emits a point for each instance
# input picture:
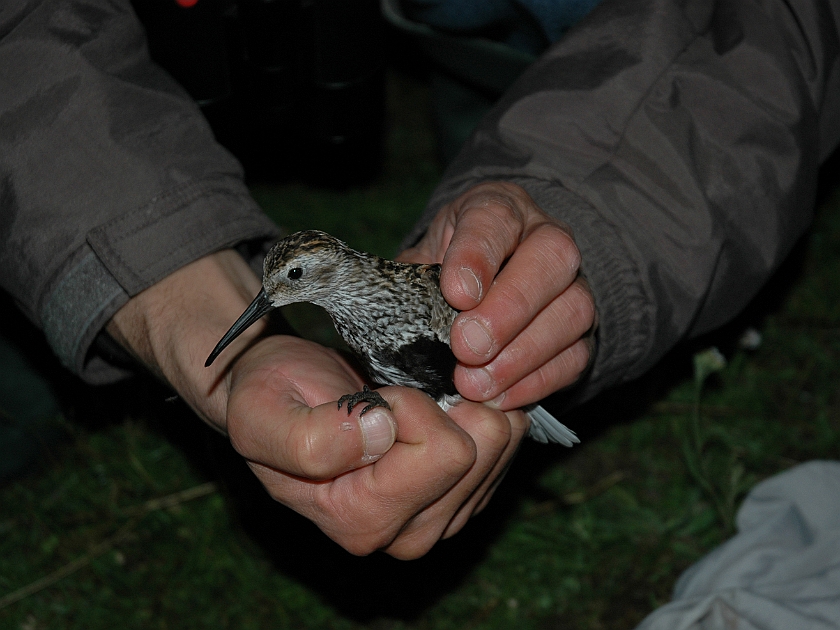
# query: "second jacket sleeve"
(681, 142)
(110, 178)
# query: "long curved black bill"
(259, 307)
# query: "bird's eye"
(295, 273)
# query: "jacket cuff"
(137, 249)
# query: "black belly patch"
(426, 361)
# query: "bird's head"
(303, 267)
(306, 266)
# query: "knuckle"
(545, 380)
(520, 299)
(584, 354)
(354, 546)
(364, 544)
(519, 422)
(459, 454)
(515, 361)
(309, 456)
(492, 231)
(353, 536)
(240, 437)
(501, 198)
(576, 359)
(583, 308)
(410, 551)
(572, 314)
(497, 430)
(560, 372)
(557, 246)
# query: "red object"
(186, 4)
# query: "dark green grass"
(590, 537)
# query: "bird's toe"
(374, 399)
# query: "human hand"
(283, 418)
(513, 271)
(276, 398)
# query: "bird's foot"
(366, 395)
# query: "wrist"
(173, 325)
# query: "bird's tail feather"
(546, 428)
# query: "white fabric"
(780, 572)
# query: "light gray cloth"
(780, 572)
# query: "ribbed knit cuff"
(138, 249)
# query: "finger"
(519, 425)
(555, 328)
(500, 198)
(427, 251)
(562, 371)
(541, 268)
(270, 420)
(317, 443)
(488, 229)
(367, 509)
(490, 430)
(416, 254)
(434, 243)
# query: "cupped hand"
(514, 272)
(312, 456)
(276, 397)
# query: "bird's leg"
(366, 395)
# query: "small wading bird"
(392, 316)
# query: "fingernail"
(378, 433)
(477, 337)
(481, 380)
(470, 283)
(496, 403)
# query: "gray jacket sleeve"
(681, 141)
(110, 178)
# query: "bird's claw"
(366, 395)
